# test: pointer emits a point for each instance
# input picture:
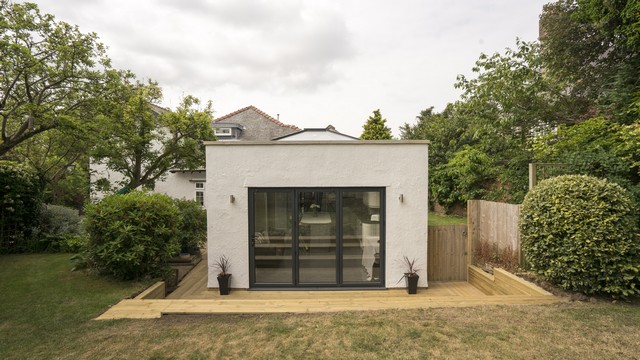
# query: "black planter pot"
(412, 283)
(223, 283)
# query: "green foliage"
(59, 157)
(596, 147)
(375, 128)
(52, 74)
(59, 229)
(132, 235)
(143, 141)
(193, 225)
(447, 132)
(581, 233)
(507, 101)
(593, 48)
(466, 176)
(20, 199)
(70, 187)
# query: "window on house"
(222, 131)
(200, 193)
(338, 239)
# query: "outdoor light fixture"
(232, 199)
(401, 198)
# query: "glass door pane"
(317, 237)
(271, 238)
(361, 219)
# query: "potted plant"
(224, 277)
(411, 275)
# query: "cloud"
(279, 46)
(290, 56)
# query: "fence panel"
(447, 253)
(494, 232)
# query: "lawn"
(437, 219)
(46, 312)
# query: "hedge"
(581, 233)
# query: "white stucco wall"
(100, 171)
(181, 185)
(398, 166)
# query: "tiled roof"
(267, 116)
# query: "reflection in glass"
(317, 237)
(361, 236)
(272, 237)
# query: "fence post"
(472, 228)
(532, 176)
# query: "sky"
(312, 63)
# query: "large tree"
(51, 74)
(592, 47)
(375, 128)
(60, 159)
(143, 141)
(481, 144)
(508, 102)
(447, 132)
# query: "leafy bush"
(57, 225)
(74, 244)
(580, 233)
(193, 225)
(466, 176)
(132, 235)
(20, 199)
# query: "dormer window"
(222, 131)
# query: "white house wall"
(178, 185)
(100, 171)
(398, 166)
(181, 185)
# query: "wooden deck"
(193, 297)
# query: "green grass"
(46, 312)
(43, 303)
(437, 219)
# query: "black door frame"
(295, 285)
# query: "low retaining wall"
(155, 291)
(502, 283)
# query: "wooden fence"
(447, 253)
(493, 228)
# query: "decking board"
(193, 297)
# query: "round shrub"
(58, 227)
(132, 235)
(20, 199)
(580, 233)
(193, 226)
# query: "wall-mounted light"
(401, 198)
(232, 199)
